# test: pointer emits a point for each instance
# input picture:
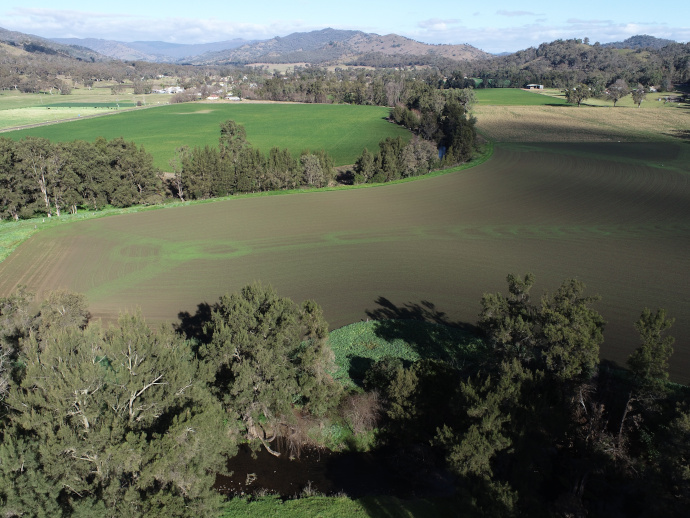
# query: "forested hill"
(564, 62)
(641, 41)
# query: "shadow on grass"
(682, 134)
(426, 330)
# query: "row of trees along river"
(130, 420)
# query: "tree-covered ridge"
(641, 41)
(563, 63)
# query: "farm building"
(535, 87)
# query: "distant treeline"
(439, 120)
(559, 64)
(235, 167)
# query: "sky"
(494, 26)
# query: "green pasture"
(653, 100)
(51, 114)
(342, 130)
(514, 97)
(357, 346)
(12, 99)
(19, 109)
(339, 507)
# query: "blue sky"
(494, 26)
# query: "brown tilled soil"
(616, 216)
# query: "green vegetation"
(42, 178)
(357, 346)
(343, 131)
(138, 421)
(84, 432)
(338, 507)
(515, 97)
(133, 421)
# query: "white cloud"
(578, 21)
(503, 12)
(437, 24)
(54, 23)
(521, 37)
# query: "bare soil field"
(616, 216)
(583, 123)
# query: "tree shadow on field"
(192, 326)
(681, 134)
(428, 331)
(423, 311)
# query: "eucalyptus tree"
(112, 422)
(617, 90)
(639, 94)
(269, 355)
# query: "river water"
(407, 474)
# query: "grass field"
(13, 100)
(342, 130)
(616, 216)
(514, 115)
(340, 506)
(583, 124)
(52, 114)
(515, 97)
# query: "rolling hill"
(36, 44)
(323, 46)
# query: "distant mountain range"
(323, 46)
(156, 51)
(32, 43)
(326, 46)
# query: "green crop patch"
(515, 97)
(91, 105)
(342, 130)
(357, 346)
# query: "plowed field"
(615, 215)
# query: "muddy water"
(403, 474)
